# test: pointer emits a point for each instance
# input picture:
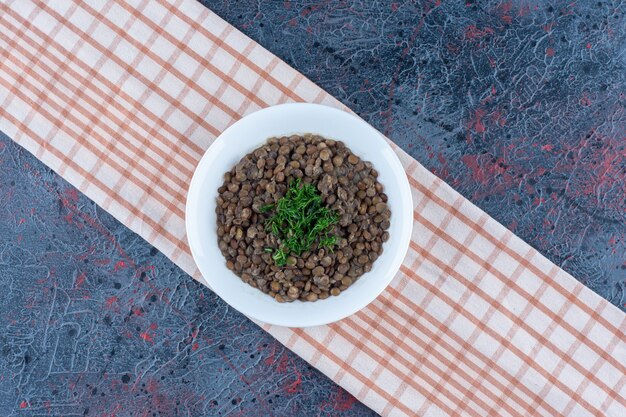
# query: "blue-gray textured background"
(519, 106)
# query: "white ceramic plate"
(249, 133)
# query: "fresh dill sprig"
(327, 242)
(266, 208)
(300, 220)
(280, 257)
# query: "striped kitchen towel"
(122, 98)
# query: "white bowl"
(251, 132)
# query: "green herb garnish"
(280, 257)
(328, 242)
(300, 220)
(266, 208)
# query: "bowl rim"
(397, 256)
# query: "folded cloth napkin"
(122, 98)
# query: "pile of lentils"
(348, 188)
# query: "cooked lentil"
(348, 187)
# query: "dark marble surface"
(520, 107)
